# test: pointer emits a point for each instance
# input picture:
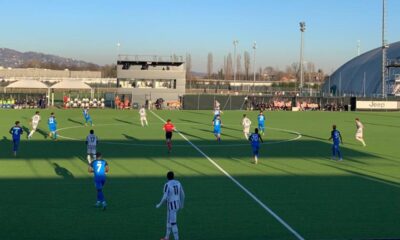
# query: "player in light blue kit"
(261, 122)
(87, 116)
(99, 167)
(52, 123)
(16, 133)
(217, 128)
(255, 139)
(337, 139)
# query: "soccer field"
(47, 193)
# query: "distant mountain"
(15, 59)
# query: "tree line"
(244, 70)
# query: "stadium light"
(254, 64)
(302, 30)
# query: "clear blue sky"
(90, 30)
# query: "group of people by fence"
(23, 103)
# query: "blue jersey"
(16, 132)
(86, 113)
(99, 168)
(255, 139)
(52, 123)
(261, 119)
(217, 124)
(335, 135)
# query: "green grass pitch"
(47, 193)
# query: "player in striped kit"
(91, 143)
(174, 196)
(35, 122)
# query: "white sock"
(168, 231)
(31, 133)
(89, 158)
(362, 140)
(175, 231)
(256, 159)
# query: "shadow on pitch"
(63, 172)
(129, 137)
(317, 199)
(74, 121)
(195, 122)
(132, 148)
(124, 121)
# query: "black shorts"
(168, 135)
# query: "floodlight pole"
(302, 29)
(384, 49)
(254, 65)
(235, 43)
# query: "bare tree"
(293, 70)
(228, 67)
(188, 67)
(247, 64)
(238, 66)
(260, 73)
(209, 65)
(310, 70)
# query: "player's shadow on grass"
(223, 134)
(43, 133)
(361, 172)
(130, 137)
(63, 172)
(232, 129)
(383, 125)
(195, 112)
(191, 135)
(123, 121)
(26, 130)
(194, 122)
(131, 148)
(74, 121)
(377, 114)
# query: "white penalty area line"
(266, 208)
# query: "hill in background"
(16, 59)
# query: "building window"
(156, 83)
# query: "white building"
(151, 77)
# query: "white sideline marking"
(298, 236)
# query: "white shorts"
(171, 216)
(359, 134)
(143, 119)
(34, 126)
(246, 129)
(91, 150)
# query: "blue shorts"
(217, 131)
(52, 128)
(255, 148)
(99, 182)
(261, 126)
(15, 144)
